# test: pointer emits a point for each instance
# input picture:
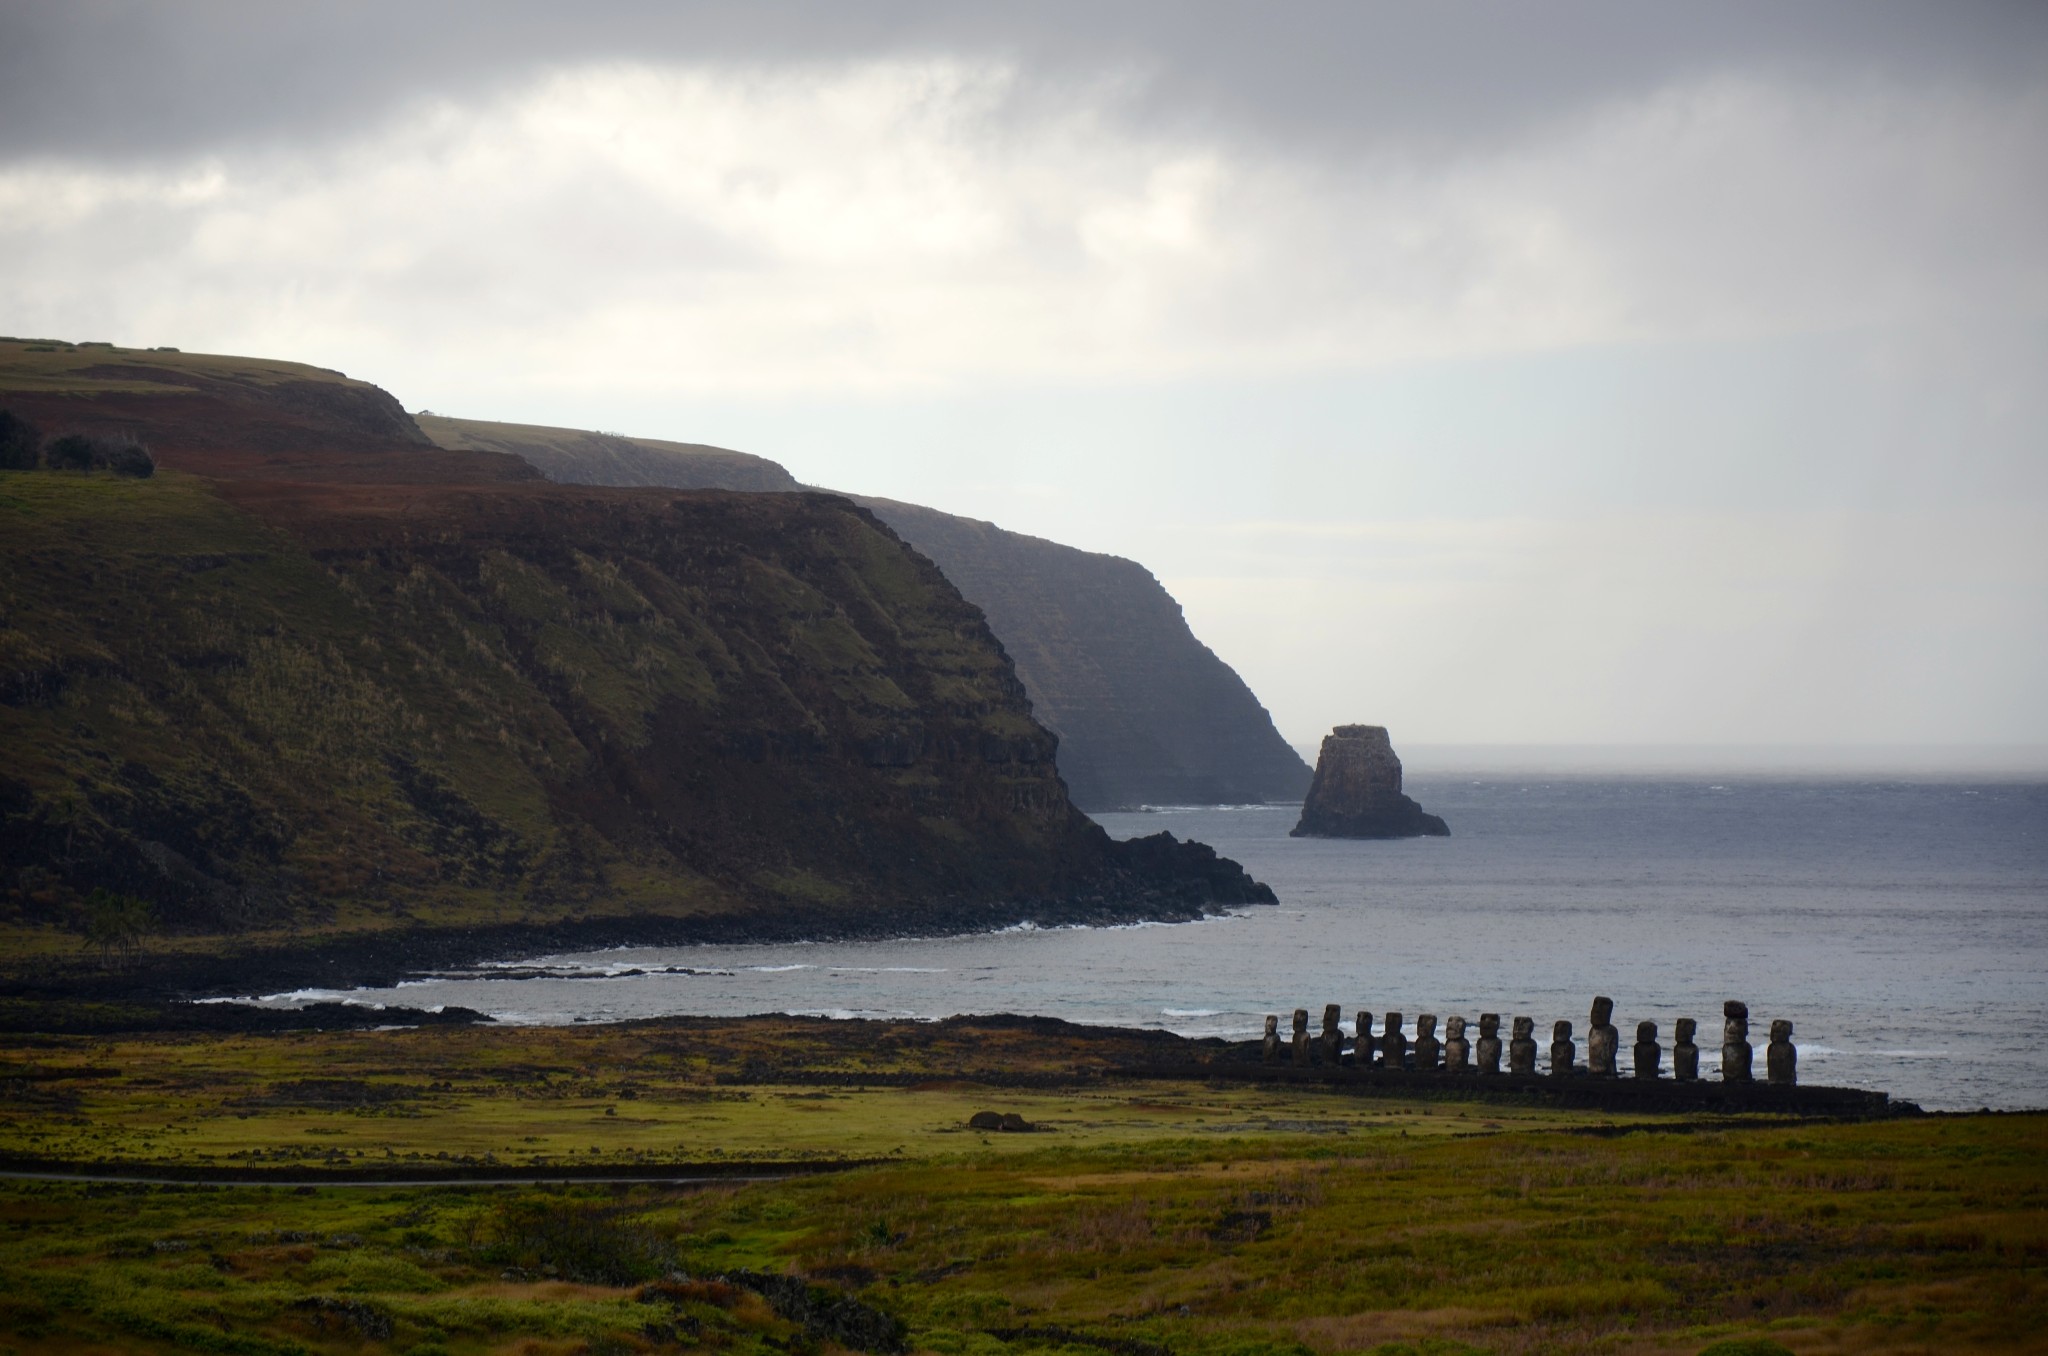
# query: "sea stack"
(1357, 791)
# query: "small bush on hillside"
(116, 925)
(575, 1241)
(18, 442)
(119, 453)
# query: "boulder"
(1357, 791)
(1003, 1121)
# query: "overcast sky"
(1613, 373)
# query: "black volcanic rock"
(1357, 791)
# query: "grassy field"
(1142, 1220)
(690, 1090)
(98, 368)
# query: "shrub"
(115, 925)
(577, 1242)
(18, 441)
(119, 453)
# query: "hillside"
(236, 417)
(578, 457)
(1145, 713)
(302, 715)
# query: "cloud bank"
(1616, 298)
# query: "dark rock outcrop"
(1357, 791)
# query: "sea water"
(1902, 926)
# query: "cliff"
(1357, 791)
(578, 457)
(460, 709)
(1145, 713)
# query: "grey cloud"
(126, 80)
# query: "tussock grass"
(1368, 1248)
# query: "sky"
(1576, 373)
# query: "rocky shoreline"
(1153, 880)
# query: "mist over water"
(1901, 925)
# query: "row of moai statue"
(1456, 1054)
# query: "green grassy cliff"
(1145, 712)
(284, 712)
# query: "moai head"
(1301, 1019)
(1364, 1024)
(1333, 1016)
(1646, 1033)
(1685, 1030)
(1425, 1025)
(1781, 1031)
(1561, 1032)
(1489, 1024)
(1603, 1011)
(1454, 1028)
(1272, 1025)
(1393, 1024)
(1525, 1028)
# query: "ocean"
(1902, 926)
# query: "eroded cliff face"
(277, 709)
(1357, 791)
(1146, 713)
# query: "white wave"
(1190, 1012)
(776, 969)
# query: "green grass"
(43, 365)
(700, 1090)
(1516, 1241)
(1174, 1217)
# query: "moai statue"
(1522, 1049)
(1489, 1043)
(1457, 1050)
(1685, 1056)
(1271, 1051)
(1562, 1051)
(1781, 1057)
(1332, 1040)
(1362, 1044)
(1393, 1045)
(1648, 1052)
(1428, 1049)
(1735, 1051)
(1601, 1039)
(1301, 1037)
